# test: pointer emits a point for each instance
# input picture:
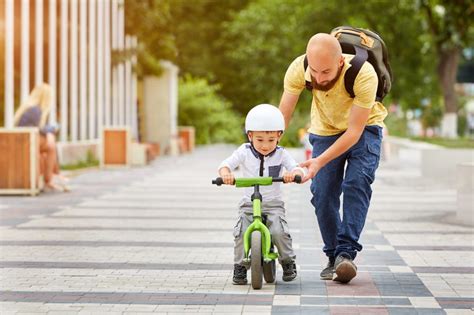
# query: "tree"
(197, 28)
(449, 24)
(267, 35)
(150, 20)
(211, 115)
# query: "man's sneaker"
(289, 270)
(328, 272)
(345, 270)
(240, 275)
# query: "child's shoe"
(240, 275)
(289, 269)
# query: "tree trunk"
(447, 70)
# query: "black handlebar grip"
(218, 181)
(297, 179)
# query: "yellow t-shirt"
(330, 109)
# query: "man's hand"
(357, 121)
(313, 166)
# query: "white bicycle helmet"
(264, 117)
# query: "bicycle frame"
(257, 224)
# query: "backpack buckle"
(364, 39)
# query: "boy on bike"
(264, 126)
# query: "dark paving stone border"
(209, 218)
(118, 266)
(463, 270)
(456, 303)
(136, 298)
(427, 232)
(114, 244)
(436, 248)
(99, 228)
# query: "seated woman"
(34, 112)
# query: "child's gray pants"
(276, 223)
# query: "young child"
(264, 126)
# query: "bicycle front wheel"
(256, 260)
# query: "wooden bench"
(20, 161)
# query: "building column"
(174, 109)
(39, 42)
(107, 65)
(73, 74)
(115, 106)
(100, 66)
(128, 84)
(92, 65)
(133, 97)
(83, 69)
(64, 72)
(52, 61)
(121, 68)
(9, 75)
(25, 50)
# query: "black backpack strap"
(308, 84)
(361, 56)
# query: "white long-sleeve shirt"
(249, 161)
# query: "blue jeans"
(360, 162)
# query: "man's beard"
(326, 87)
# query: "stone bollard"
(465, 193)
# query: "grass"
(90, 161)
(461, 143)
(82, 164)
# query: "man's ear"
(341, 61)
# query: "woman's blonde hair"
(40, 96)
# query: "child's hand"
(228, 179)
(288, 177)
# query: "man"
(343, 131)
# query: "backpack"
(366, 46)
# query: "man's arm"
(287, 106)
(357, 121)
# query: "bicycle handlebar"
(247, 182)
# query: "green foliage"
(397, 126)
(300, 120)
(261, 42)
(197, 29)
(449, 22)
(151, 21)
(212, 116)
(462, 124)
(462, 143)
(267, 35)
(432, 116)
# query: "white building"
(70, 47)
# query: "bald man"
(344, 131)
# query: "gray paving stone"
(127, 271)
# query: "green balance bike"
(259, 253)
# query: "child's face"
(264, 141)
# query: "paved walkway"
(158, 239)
